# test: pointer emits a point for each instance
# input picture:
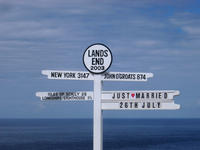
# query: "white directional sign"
(66, 96)
(83, 75)
(68, 75)
(126, 76)
(128, 105)
(97, 58)
(119, 100)
(155, 95)
(112, 96)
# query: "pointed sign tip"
(177, 92)
(178, 106)
(151, 75)
(37, 94)
(44, 72)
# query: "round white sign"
(97, 58)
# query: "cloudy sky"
(162, 37)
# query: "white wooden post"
(97, 119)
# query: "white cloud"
(192, 30)
(188, 22)
(49, 30)
(147, 43)
(198, 102)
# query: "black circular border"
(108, 66)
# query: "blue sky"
(162, 37)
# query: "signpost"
(97, 59)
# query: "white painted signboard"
(128, 105)
(68, 75)
(112, 96)
(84, 75)
(153, 95)
(66, 96)
(126, 76)
(120, 100)
(97, 58)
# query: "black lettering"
(156, 95)
(131, 104)
(126, 104)
(84, 94)
(61, 94)
(159, 95)
(136, 105)
(159, 105)
(143, 105)
(165, 95)
(109, 76)
(98, 53)
(53, 74)
(73, 75)
(152, 95)
(137, 95)
(148, 105)
(56, 74)
(93, 61)
(105, 53)
(89, 55)
(153, 105)
(95, 53)
(144, 76)
(123, 95)
(128, 95)
(113, 97)
(118, 95)
(97, 61)
(121, 104)
(87, 75)
(142, 95)
(138, 76)
(133, 76)
(59, 74)
(147, 95)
